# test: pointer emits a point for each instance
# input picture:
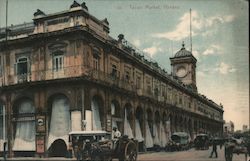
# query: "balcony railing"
(67, 72)
(111, 80)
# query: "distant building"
(64, 70)
(228, 128)
(244, 128)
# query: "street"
(190, 155)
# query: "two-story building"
(63, 72)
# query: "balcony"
(110, 80)
(67, 72)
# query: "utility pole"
(191, 30)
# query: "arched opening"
(24, 127)
(58, 149)
(181, 124)
(128, 120)
(59, 121)
(149, 129)
(163, 130)
(97, 114)
(116, 115)
(190, 128)
(139, 127)
(171, 119)
(176, 127)
(156, 129)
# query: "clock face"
(181, 72)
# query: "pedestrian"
(229, 151)
(214, 149)
(115, 136)
(116, 133)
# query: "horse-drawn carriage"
(98, 145)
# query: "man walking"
(214, 149)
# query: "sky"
(220, 41)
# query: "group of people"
(229, 146)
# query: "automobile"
(201, 142)
(180, 140)
(98, 145)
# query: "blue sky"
(220, 38)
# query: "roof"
(183, 52)
(181, 134)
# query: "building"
(228, 128)
(64, 70)
(244, 128)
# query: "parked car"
(201, 142)
(180, 141)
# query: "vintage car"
(201, 142)
(179, 141)
(98, 145)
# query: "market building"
(63, 72)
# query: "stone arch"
(59, 119)
(139, 115)
(149, 128)
(51, 94)
(180, 122)
(139, 124)
(128, 120)
(97, 108)
(165, 117)
(115, 108)
(176, 126)
(116, 114)
(156, 128)
(24, 131)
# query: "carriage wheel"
(130, 152)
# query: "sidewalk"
(39, 159)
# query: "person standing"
(116, 133)
(115, 136)
(229, 151)
(214, 149)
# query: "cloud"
(213, 50)
(152, 50)
(224, 68)
(200, 26)
(196, 54)
(201, 74)
(136, 42)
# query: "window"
(138, 82)
(127, 77)
(96, 63)
(57, 60)
(22, 66)
(96, 58)
(114, 71)
(156, 91)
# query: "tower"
(184, 67)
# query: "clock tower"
(184, 67)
